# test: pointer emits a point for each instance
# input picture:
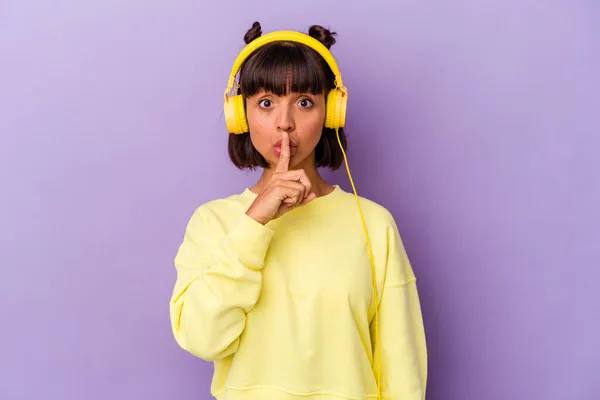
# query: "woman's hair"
(267, 69)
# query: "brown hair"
(267, 68)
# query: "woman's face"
(302, 115)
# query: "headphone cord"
(373, 272)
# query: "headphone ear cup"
(330, 109)
(229, 111)
(235, 115)
(240, 112)
(343, 102)
(335, 114)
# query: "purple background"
(475, 122)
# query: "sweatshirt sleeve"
(402, 344)
(218, 282)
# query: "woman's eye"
(265, 103)
(305, 103)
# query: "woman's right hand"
(285, 191)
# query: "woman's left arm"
(402, 342)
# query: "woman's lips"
(278, 150)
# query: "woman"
(273, 284)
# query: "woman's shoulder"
(373, 211)
(224, 206)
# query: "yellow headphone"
(335, 114)
(335, 118)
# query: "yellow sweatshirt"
(285, 310)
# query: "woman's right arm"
(218, 282)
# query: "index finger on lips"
(284, 154)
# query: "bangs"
(283, 67)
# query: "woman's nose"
(285, 121)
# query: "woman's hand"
(285, 191)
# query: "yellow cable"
(372, 268)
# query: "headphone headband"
(291, 36)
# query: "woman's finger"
(299, 176)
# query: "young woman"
(274, 283)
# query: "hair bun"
(322, 35)
(253, 32)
